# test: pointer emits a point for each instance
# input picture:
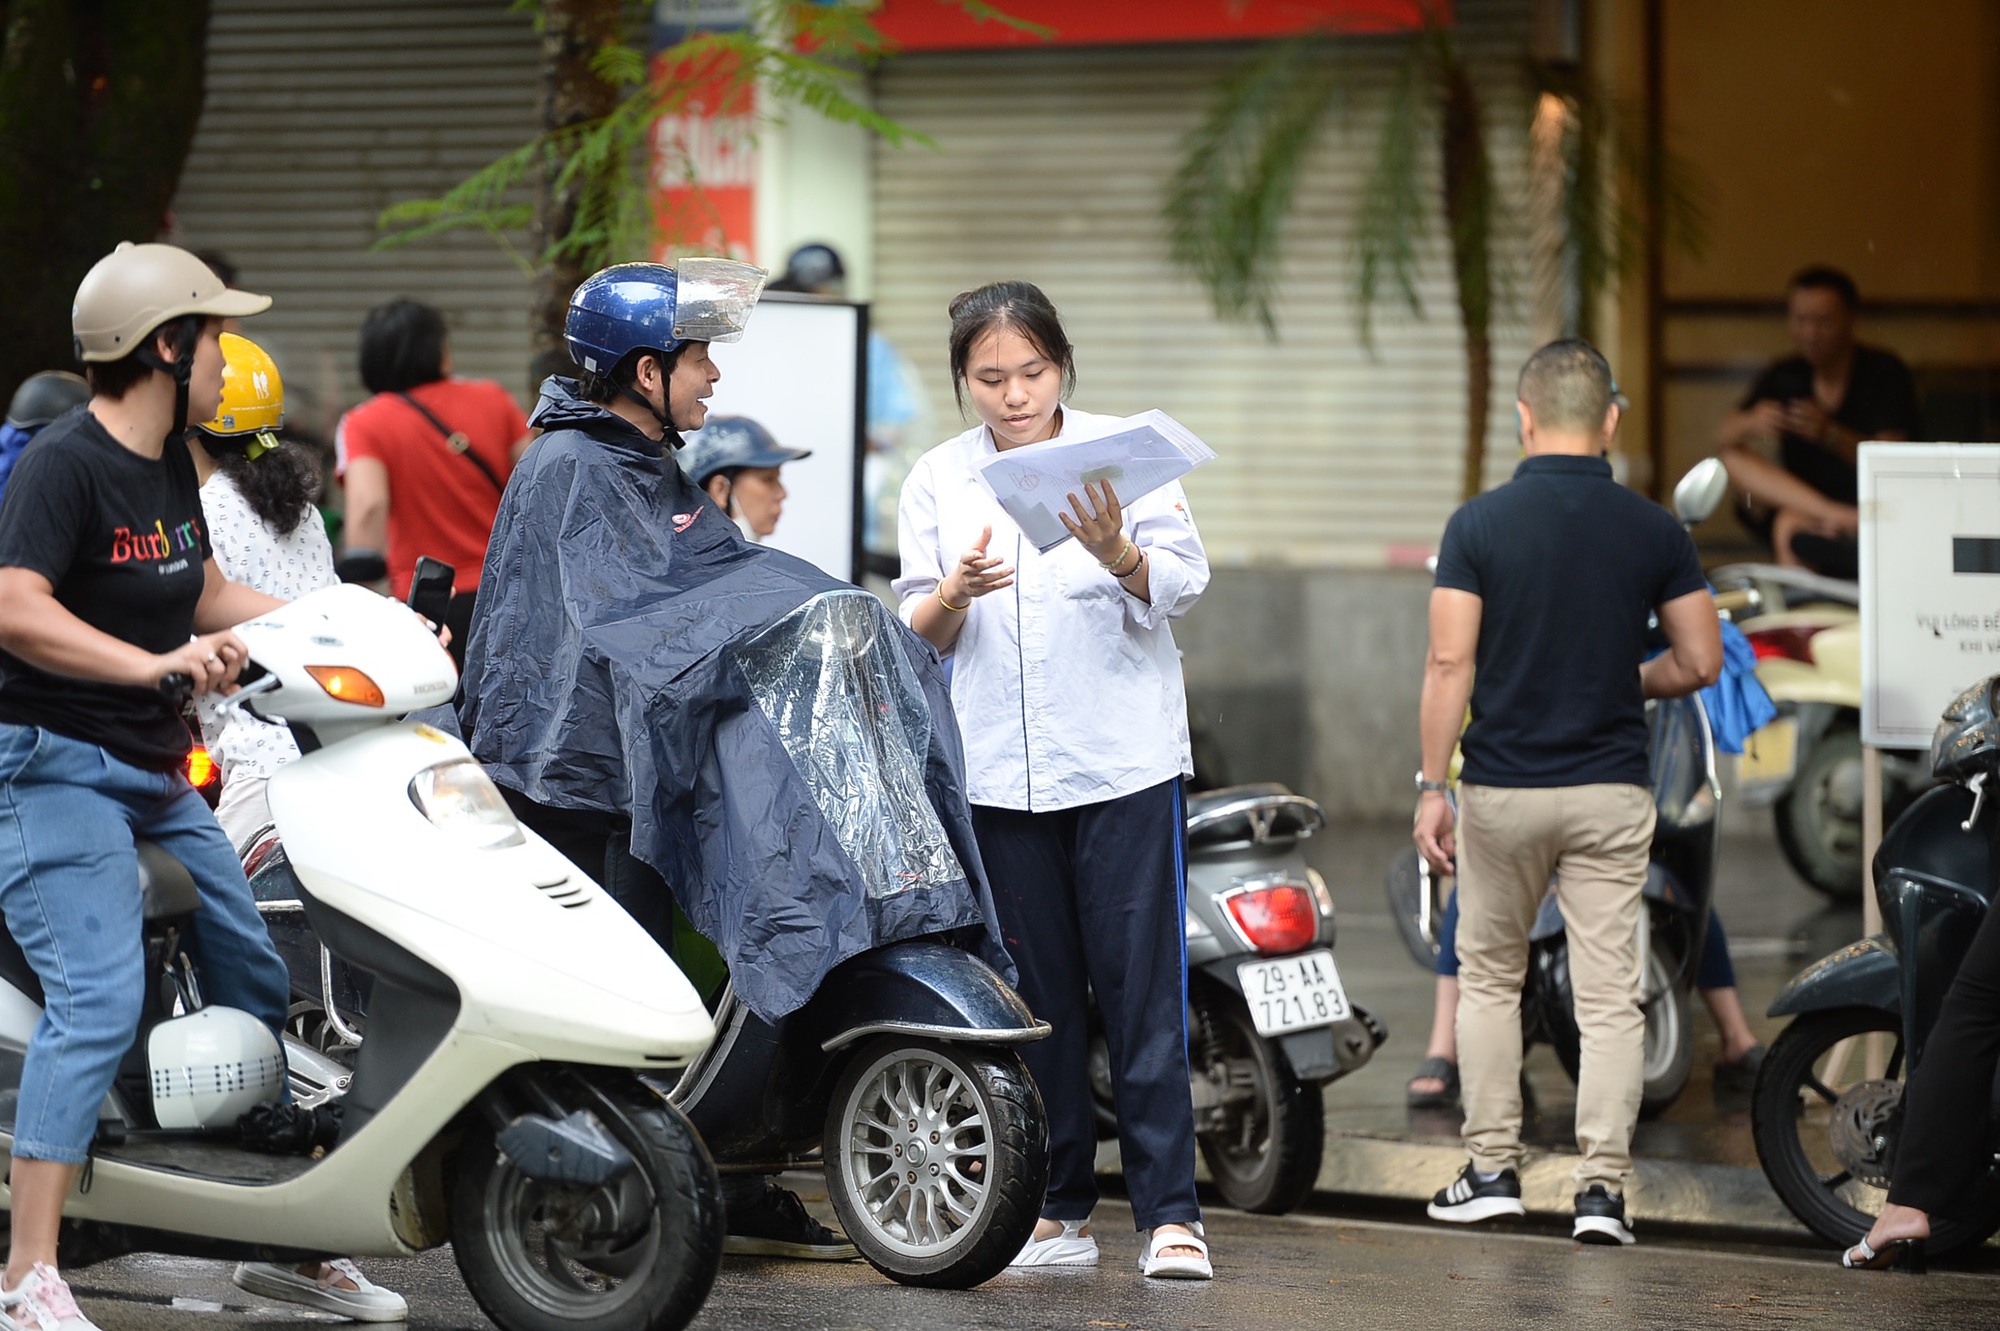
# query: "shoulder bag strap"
(457, 442)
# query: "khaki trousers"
(1594, 841)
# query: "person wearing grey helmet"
(735, 461)
(37, 402)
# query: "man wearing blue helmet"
(735, 461)
(597, 528)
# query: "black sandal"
(1435, 1068)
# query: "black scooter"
(1827, 1111)
(1680, 880)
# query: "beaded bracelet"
(1108, 564)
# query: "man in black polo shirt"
(1819, 405)
(1539, 617)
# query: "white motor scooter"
(501, 1101)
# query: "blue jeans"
(69, 875)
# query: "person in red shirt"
(423, 462)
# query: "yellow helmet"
(253, 396)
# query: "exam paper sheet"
(1033, 483)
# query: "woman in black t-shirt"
(106, 588)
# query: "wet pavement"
(1274, 1274)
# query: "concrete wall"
(1311, 677)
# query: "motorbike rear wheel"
(1669, 1029)
(1263, 1142)
(1817, 1119)
(937, 1157)
(636, 1254)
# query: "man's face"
(693, 380)
(1821, 325)
(205, 376)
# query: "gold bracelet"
(1108, 564)
(1137, 564)
(955, 609)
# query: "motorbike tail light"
(201, 768)
(1792, 642)
(348, 685)
(1278, 918)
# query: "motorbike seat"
(1233, 815)
(166, 892)
(166, 888)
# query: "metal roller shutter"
(321, 115)
(1050, 168)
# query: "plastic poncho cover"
(790, 765)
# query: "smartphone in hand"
(430, 588)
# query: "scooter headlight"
(459, 798)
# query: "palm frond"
(1394, 203)
(1226, 205)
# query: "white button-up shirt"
(1068, 688)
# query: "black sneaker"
(776, 1224)
(1471, 1198)
(1600, 1217)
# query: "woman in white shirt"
(1068, 690)
(257, 499)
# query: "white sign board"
(798, 373)
(1930, 583)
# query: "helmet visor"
(713, 299)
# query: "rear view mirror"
(1700, 491)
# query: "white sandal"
(1072, 1247)
(1154, 1263)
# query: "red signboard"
(705, 165)
(939, 25)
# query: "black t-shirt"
(120, 537)
(1881, 396)
(1567, 564)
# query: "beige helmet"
(136, 288)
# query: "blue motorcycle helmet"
(729, 443)
(652, 307)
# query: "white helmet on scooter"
(209, 1067)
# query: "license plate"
(1293, 993)
(1771, 753)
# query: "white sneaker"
(42, 1302)
(365, 1302)
(1072, 1247)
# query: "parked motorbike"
(504, 1102)
(1827, 1110)
(1806, 763)
(1679, 888)
(1269, 1021)
(898, 1077)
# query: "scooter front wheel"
(636, 1254)
(936, 1159)
(1826, 1128)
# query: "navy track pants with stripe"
(1094, 899)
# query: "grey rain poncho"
(784, 747)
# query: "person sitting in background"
(735, 461)
(425, 460)
(39, 400)
(1819, 405)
